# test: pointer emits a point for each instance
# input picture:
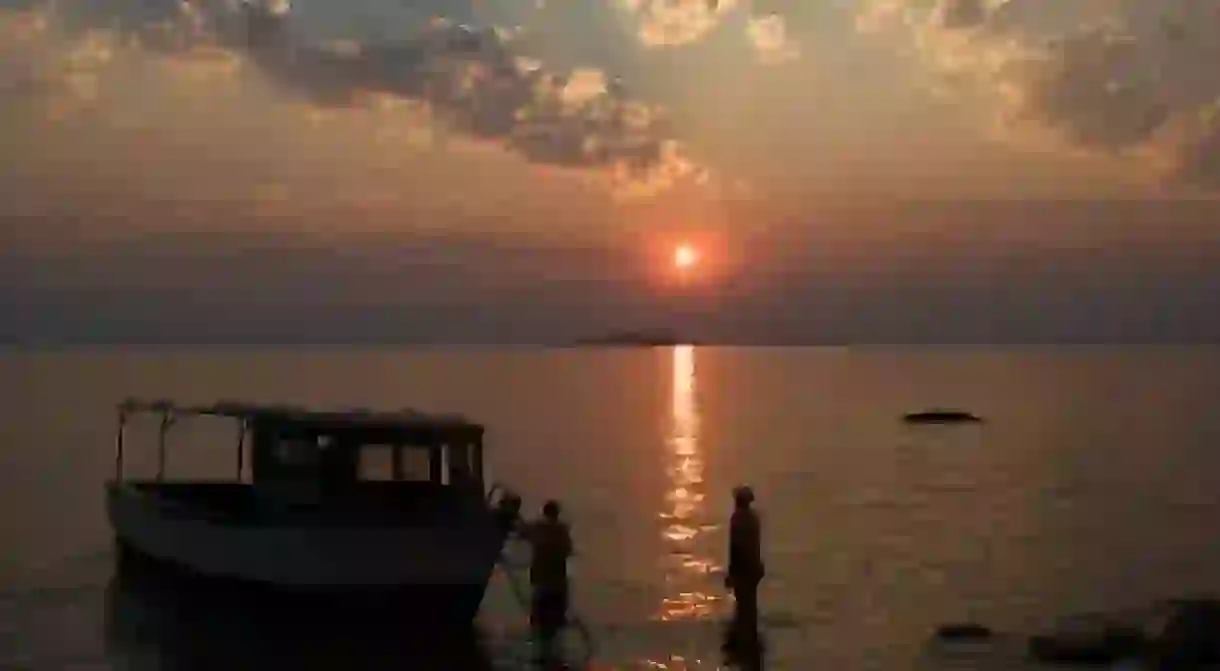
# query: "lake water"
(1095, 484)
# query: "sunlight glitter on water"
(688, 594)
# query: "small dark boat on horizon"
(941, 416)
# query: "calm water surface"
(1093, 485)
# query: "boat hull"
(440, 573)
(437, 608)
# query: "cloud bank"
(1127, 78)
(71, 58)
(677, 23)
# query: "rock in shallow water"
(1181, 635)
(963, 631)
(1106, 646)
(1089, 640)
(1190, 639)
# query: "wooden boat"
(311, 519)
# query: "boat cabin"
(299, 456)
(304, 511)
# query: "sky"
(510, 171)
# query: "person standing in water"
(746, 568)
(551, 541)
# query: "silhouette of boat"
(941, 416)
(312, 523)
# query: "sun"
(685, 256)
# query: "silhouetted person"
(746, 568)
(552, 546)
(743, 646)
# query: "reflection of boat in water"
(316, 525)
(941, 416)
(194, 627)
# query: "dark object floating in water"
(1088, 641)
(1173, 635)
(963, 631)
(1190, 638)
(941, 417)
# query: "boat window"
(414, 465)
(297, 452)
(377, 463)
(459, 462)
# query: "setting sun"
(685, 256)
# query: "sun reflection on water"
(688, 571)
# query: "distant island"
(650, 338)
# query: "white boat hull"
(311, 557)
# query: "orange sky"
(763, 132)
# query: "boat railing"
(453, 444)
(497, 488)
(169, 414)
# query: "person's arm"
(569, 550)
(529, 532)
(758, 554)
(735, 529)
(734, 548)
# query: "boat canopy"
(294, 443)
(361, 425)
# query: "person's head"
(743, 496)
(550, 510)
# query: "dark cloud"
(1116, 77)
(1084, 86)
(473, 79)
